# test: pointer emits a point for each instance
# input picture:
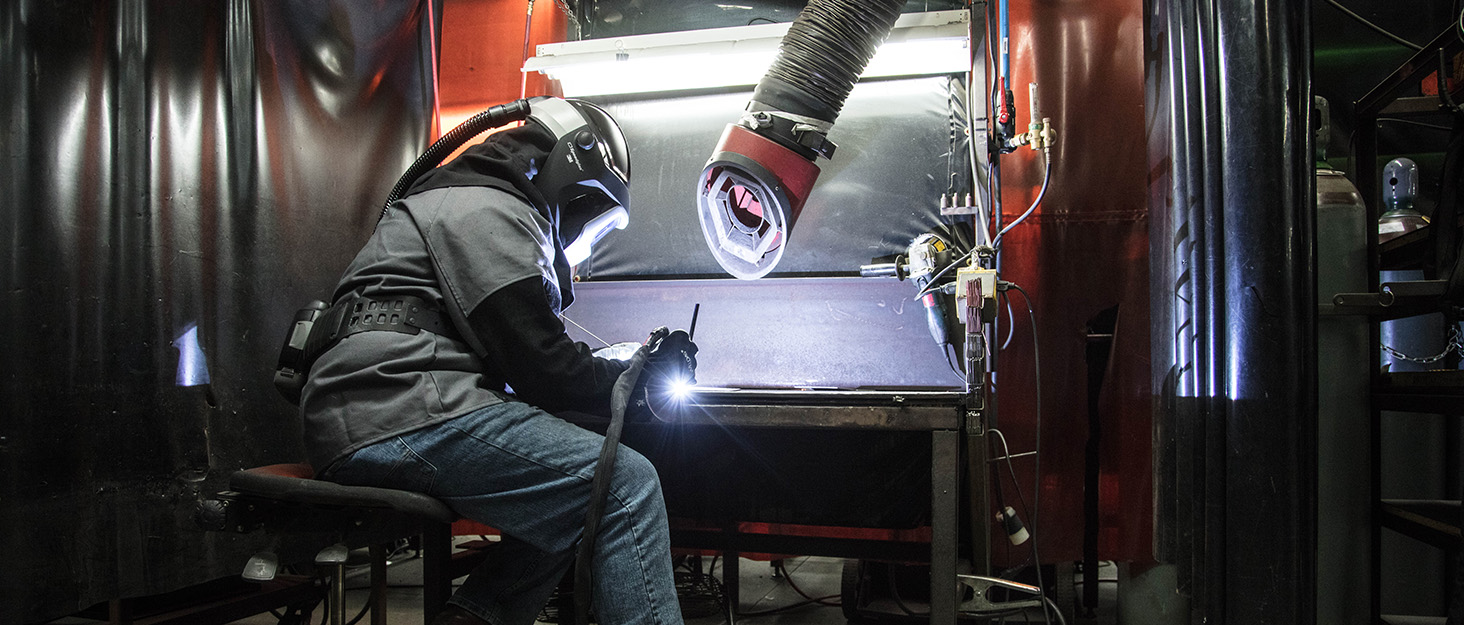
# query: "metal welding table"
(941, 413)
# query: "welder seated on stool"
(476, 259)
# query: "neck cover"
(503, 161)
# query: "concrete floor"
(761, 591)
(767, 597)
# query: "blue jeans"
(527, 473)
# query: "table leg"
(731, 574)
(944, 495)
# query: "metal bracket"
(958, 204)
(975, 425)
(1394, 299)
(811, 137)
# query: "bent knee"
(636, 479)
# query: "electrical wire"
(780, 610)
(788, 576)
(1050, 604)
(585, 330)
(370, 599)
(1001, 503)
(1374, 27)
(933, 279)
(1410, 122)
(807, 599)
(1037, 447)
(895, 595)
(948, 349)
(1442, 82)
(1006, 455)
(982, 206)
(1041, 193)
(1011, 323)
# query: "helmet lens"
(595, 229)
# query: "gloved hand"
(670, 362)
(671, 359)
(622, 351)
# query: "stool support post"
(338, 594)
(378, 584)
(436, 555)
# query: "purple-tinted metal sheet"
(777, 333)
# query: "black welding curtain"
(178, 177)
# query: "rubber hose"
(496, 116)
(620, 397)
(823, 55)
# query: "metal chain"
(1455, 344)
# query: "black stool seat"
(296, 483)
(287, 499)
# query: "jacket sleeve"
(524, 340)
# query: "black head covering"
(503, 161)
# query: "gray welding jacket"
(451, 247)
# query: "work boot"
(453, 615)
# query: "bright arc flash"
(680, 390)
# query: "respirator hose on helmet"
(496, 116)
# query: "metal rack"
(1433, 522)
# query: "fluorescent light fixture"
(920, 44)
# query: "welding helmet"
(586, 177)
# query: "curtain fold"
(179, 177)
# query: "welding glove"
(622, 351)
(670, 363)
(671, 360)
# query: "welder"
(447, 357)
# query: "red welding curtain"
(1084, 251)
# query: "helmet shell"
(587, 173)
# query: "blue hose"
(1005, 36)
